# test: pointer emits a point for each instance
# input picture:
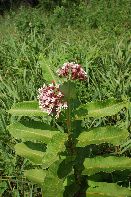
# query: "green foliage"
(60, 145)
(48, 73)
(27, 108)
(100, 109)
(94, 34)
(126, 146)
(3, 187)
(28, 22)
(24, 150)
(69, 90)
(36, 175)
(56, 146)
(110, 134)
(106, 189)
(53, 184)
(34, 131)
(106, 164)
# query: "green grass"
(96, 35)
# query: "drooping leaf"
(102, 189)
(40, 132)
(110, 134)
(36, 176)
(56, 145)
(27, 108)
(105, 164)
(30, 153)
(47, 71)
(99, 109)
(53, 184)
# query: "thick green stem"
(70, 140)
(69, 119)
(71, 145)
(69, 112)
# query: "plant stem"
(71, 145)
(68, 112)
(70, 141)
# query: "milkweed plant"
(65, 156)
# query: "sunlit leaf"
(47, 70)
(110, 134)
(27, 108)
(68, 89)
(53, 184)
(35, 176)
(3, 187)
(40, 132)
(106, 164)
(102, 189)
(29, 152)
(99, 109)
(56, 145)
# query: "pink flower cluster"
(72, 71)
(51, 99)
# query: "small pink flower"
(51, 99)
(72, 71)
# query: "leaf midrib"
(32, 132)
(105, 138)
(98, 193)
(105, 167)
(108, 107)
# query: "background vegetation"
(93, 33)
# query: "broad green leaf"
(27, 108)
(53, 185)
(66, 167)
(30, 153)
(56, 145)
(47, 71)
(68, 89)
(38, 132)
(105, 164)
(35, 176)
(3, 187)
(48, 159)
(102, 189)
(100, 108)
(110, 134)
(71, 187)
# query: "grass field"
(95, 34)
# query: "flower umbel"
(72, 71)
(51, 99)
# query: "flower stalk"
(54, 97)
(71, 145)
